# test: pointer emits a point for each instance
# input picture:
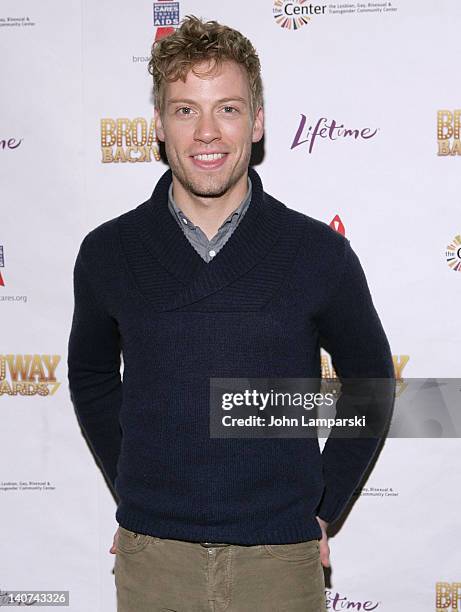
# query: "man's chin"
(211, 193)
(212, 189)
(202, 184)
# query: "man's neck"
(209, 213)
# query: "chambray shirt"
(207, 249)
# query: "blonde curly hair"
(195, 41)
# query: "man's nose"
(207, 129)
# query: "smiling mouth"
(209, 156)
(209, 160)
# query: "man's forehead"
(208, 74)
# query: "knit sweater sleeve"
(351, 331)
(94, 371)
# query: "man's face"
(209, 116)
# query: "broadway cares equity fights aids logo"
(293, 14)
(28, 374)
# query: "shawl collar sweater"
(282, 285)
(207, 248)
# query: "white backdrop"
(388, 67)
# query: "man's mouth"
(209, 156)
(209, 160)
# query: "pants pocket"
(131, 542)
(300, 551)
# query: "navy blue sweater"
(282, 285)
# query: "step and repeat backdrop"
(363, 112)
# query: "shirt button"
(185, 220)
(210, 551)
(211, 253)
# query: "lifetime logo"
(447, 596)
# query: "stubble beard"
(211, 186)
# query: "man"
(213, 277)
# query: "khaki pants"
(160, 575)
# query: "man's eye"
(231, 109)
(184, 108)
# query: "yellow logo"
(328, 371)
(128, 140)
(28, 374)
(448, 130)
(447, 596)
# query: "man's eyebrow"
(188, 101)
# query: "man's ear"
(159, 132)
(258, 125)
